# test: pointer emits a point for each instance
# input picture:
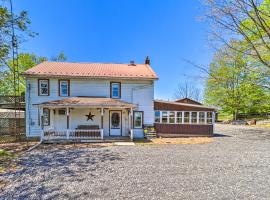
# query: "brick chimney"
(147, 60)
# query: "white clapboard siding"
(138, 92)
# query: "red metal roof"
(96, 70)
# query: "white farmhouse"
(89, 100)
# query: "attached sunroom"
(173, 119)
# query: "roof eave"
(86, 77)
(186, 104)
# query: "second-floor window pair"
(44, 87)
(64, 88)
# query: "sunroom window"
(186, 117)
(209, 118)
(171, 117)
(194, 117)
(164, 117)
(201, 118)
(178, 117)
(157, 116)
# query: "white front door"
(115, 123)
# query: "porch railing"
(69, 134)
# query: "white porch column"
(41, 123)
(198, 117)
(67, 113)
(131, 123)
(205, 117)
(102, 121)
(213, 120)
(190, 116)
(52, 118)
(183, 117)
(41, 117)
(131, 118)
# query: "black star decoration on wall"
(90, 116)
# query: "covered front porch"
(86, 119)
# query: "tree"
(60, 58)
(26, 61)
(234, 83)
(8, 20)
(247, 21)
(188, 89)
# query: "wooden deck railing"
(53, 134)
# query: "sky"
(118, 31)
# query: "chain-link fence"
(11, 129)
(12, 122)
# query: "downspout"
(28, 97)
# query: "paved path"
(235, 166)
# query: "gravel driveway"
(235, 166)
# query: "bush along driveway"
(235, 166)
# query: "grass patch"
(9, 153)
(5, 159)
(263, 126)
(4, 153)
(190, 140)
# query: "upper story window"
(64, 88)
(43, 87)
(116, 90)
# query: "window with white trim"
(138, 119)
(201, 118)
(116, 90)
(157, 116)
(43, 85)
(209, 118)
(194, 117)
(179, 117)
(64, 88)
(46, 117)
(186, 117)
(171, 117)
(164, 117)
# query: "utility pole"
(16, 73)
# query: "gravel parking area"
(235, 166)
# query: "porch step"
(151, 135)
(117, 139)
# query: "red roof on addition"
(96, 70)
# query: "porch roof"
(100, 102)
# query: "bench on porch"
(87, 131)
